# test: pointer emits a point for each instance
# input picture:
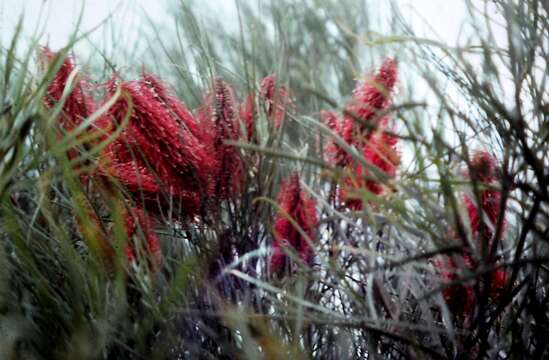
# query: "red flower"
(379, 151)
(483, 170)
(247, 116)
(331, 119)
(218, 114)
(483, 167)
(178, 110)
(79, 104)
(373, 95)
(498, 283)
(369, 99)
(159, 148)
(334, 153)
(295, 205)
(275, 99)
(459, 297)
(137, 223)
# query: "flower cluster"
(78, 103)
(365, 126)
(275, 100)
(164, 155)
(295, 224)
(460, 296)
(222, 125)
(156, 152)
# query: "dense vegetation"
(300, 187)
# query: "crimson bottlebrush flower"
(158, 144)
(483, 167)
(178, 110)
(247, 117)
(136, 222)
(79, 104)
(296, 205)
(498, 283)
(373, 95)
(334, 153)
(380, 152)
(483, 170)
(218, 112)
(369, 99)
(460, 297)
(276, 99)
(131, 170)
(330, 119)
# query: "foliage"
(211, 219)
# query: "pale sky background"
(445, 16)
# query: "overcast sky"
(444, 16)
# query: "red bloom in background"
(334, 153)
(159, 148)
(459, 297)
(378, 148)
(330, 119)
(483, 167)
(380, 152)
(296, 205)
(498, 283)
(218, 115)
(374, 94)
(483, 170)
(247, 117)
(276, 100)
(136, 222)
(369, 99)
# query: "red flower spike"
(369, 99)
(373, 95)
(218, 113)
(380, 151)
(483, 167)
(499, 281)
(296, 205)
(79, 104)
(334, 154)
(330, 119)
(136, 222)
(483, 170)
(460, 298)
(276, 99)
(158, 141)
(247, 116)
(179, 111)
